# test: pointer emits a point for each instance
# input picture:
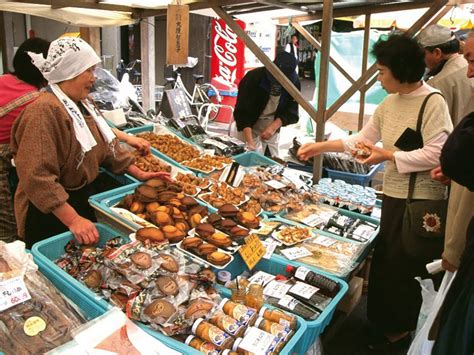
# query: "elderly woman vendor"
(58, 143)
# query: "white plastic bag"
(428, 295)
(421, 345)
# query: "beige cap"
(435, 35)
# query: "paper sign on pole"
(177, 30)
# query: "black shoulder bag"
(424, 221)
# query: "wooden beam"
(92, 36)
(280, 4)
(82, 4)
(360, 10)
(432, 11)
(314, 42)
(6, 40)
(365, 56)
(272, 68)
(323, 85)
(147, 44)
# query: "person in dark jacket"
(263, 106)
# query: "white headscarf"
(68, 57)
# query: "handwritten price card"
(252, 251)
(12, 292)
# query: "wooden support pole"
(323, 85)
(92, 36)
(147, 40)
(365, 56)
(272, 68)
(314, 42)
(432, 11)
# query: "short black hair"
(402, 55)
(447, 48)
(24, 69)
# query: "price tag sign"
(324, 241)
(313, 220)
(270, 248)
(296, 253)
(275, 184)
(252, 251)
(13, 292)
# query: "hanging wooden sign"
(177, 34)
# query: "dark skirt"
(394, 296)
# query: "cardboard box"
(353, 295)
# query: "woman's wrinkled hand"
(139, 144)
(84, 231)
(378, 155)
(308, 150)
(437, 175)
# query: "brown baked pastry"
(93, 279)
(228, 211)
(218, 258)
(205, 230)
(239, 232)
(137, 207)
(167, 285)
(172, 186)
(169, 263)
(197, 309)
(160, 308)
(183, 226)
(191, 243)
(214, 219)
(202, 210)
(141, 259)
(173, 234)
(227, 224)
(248, 219)
(150, 233)
(157, 183)
(220, 240)
(152, 207)
(165, 196)
(206, 249)
(146, 194)
(160, 218)
(195, 219)
(189, 202)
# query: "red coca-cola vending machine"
(227, 64)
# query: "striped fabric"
(20, 101)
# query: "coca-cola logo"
(225, 50)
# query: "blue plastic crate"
(355, 179)
(123, 180)
(277, 265)
(249, 159)
(48, 250)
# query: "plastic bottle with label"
(278, 316)
(212, 334)
(327, 286)
(245, 315)
(278, 330)
(201, 345)
(227, 324)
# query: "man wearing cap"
(263, 106)
(447, 70)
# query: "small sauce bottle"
(201, 345)
(254, 297)
(279, 331)
(245, 315)
(212, 334)
(277, 316)
(227, 324)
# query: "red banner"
(227, 52)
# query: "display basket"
(277, 265)
(104, 202)
(249, 159)
(354, 179)
(48, 250)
